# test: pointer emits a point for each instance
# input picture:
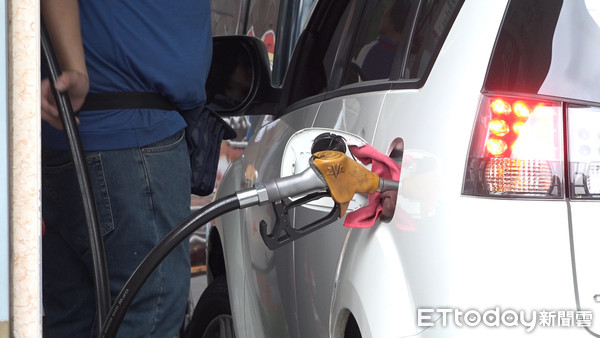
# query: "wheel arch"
(347, 326)
(372, 288)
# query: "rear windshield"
(548, 47)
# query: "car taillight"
(583, 129)
(516, 149)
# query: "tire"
(352, 329)
(212, 315)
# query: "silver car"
(492, 108)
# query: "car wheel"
(212, 315)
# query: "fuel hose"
(349, 181)
(157, 255)
(67, 116)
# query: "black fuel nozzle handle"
(275, 192)
(283, 233)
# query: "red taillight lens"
(521, 109)
(516, 149)
(498, 128)
(500, 107)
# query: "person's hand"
(75, 83)
(388, 201)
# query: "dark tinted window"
(378, 42)
(391, 43)
(334, 53)
(548, 47)
(434, 22)
(343, 48)
(320, 54)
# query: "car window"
(378, 41)
(434, 22)
(316, 65)
(548, 47)
(334, 49)
(262, 21)
(390, 43)
(370, 41)
(278, 23)
(300, 12)
(226, 17)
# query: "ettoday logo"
(496, 317)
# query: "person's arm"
(62, 21)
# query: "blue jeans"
(141, 194)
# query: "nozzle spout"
(385, 185)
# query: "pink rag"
(383, 166)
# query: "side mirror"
(240, 76)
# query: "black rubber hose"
(158, 254)
(70, 126)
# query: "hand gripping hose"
(68, 120)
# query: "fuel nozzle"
(329, 170)
(346, 177)
(331, 173)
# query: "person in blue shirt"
(137, 158)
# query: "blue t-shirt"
(154, 46)
(376, 59)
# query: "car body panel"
(368, 270)
(265, 272)
(583, 123)
(441, 249)
(316, 269)
(584, 223)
